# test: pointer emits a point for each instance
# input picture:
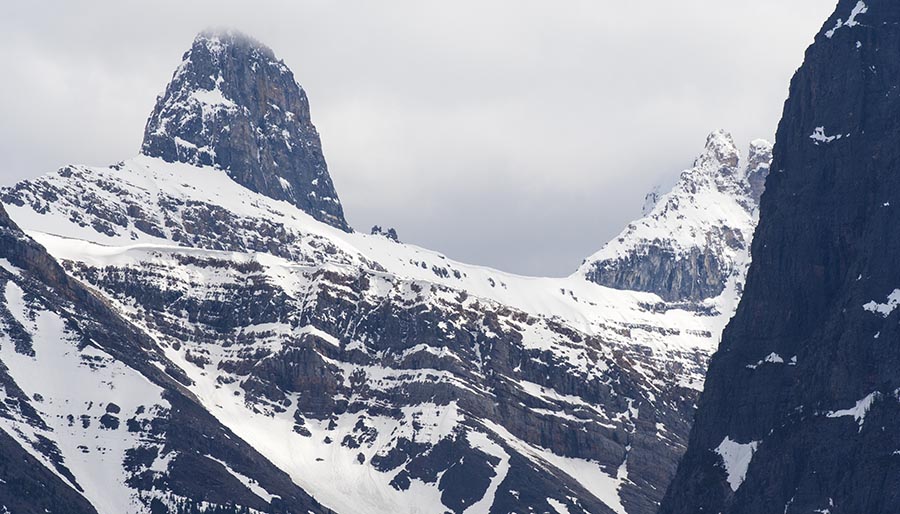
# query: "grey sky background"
(513, 133)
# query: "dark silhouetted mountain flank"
(233, 105)
(801, 412)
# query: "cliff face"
(231, 104)
(428, 385)
(801, 411)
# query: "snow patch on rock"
(819, 136)
(885, 309)
(772, 358)
(860, 8)
(736, 459)
(858, 411)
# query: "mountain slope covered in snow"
(378, 376)
(99, 416)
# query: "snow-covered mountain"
(693, 241)
(95, 418)
(380, 377)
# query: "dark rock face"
(231, 104)
(30, 488)
(801, 411)
(692, 276)
(685, 248)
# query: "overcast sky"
(518, 134)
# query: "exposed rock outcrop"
(231, 104)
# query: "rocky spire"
(720, 154)
(233, 105)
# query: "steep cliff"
(231, 104)
(801, 411)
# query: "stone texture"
(759, 160)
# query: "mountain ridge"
(368, 373)
(693, 240)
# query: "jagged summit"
(223, 37)
(719, 166)
(721, 162)
(233, 105)
(692, 241)
(720, 149)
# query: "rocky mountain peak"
(233, 105)
(720, 149)
(692, 241)
(718, 166)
